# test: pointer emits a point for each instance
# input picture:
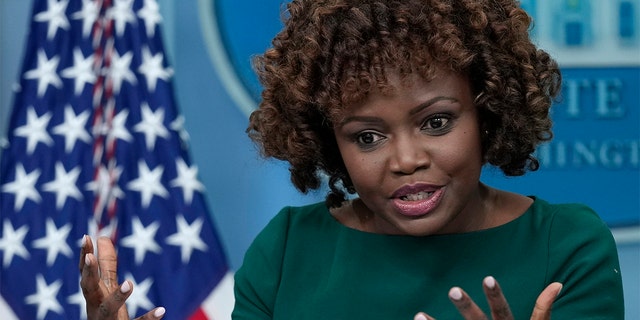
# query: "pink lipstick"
(417, 200)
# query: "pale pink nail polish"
(455, 293)
(559, 290)
(87, 261)
(490, 282)
(420, 317)
(160, 312)
(125, 287)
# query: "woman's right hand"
(99, 282)
(499, 306)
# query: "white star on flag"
(122, 14)
(55, 242)
(187, 180)
(35, 130)
(177, 125)
(152, 69)
(88, 14)
(81, 71)
(120, 70)
(118, 129)
(138, 298)
(105, 183)
(73, 128)
(148, 183)
(151, 125)
(23, 186)
(105, 186)
(187, 237)
(45, 297)
(45, 72)
(150, 13)
(55, 16)
(142, 239)
(64, 185)
(12, 244)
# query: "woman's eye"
(368, 138)
(436, 123)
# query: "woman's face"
(414, 156)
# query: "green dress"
(306, 265)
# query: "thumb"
(422, 316)
(542, 309)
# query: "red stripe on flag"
(199, 315)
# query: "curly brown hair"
(335, 52)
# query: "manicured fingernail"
(125, 287)
(559, 290)
(160, 312)
(455, 293)
(87, 261)
(420, 316)
(84, 241)
(490, 282)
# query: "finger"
(87, 247)
(112, 305)
(499, 307)
(90, 281)
(467, 308)
(156, 313)
(542, 309)
(108, 263)
(422, 316)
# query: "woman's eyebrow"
(415, 110)
(430, 102)
(367, 119)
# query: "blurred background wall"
(593, 159)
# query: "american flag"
(97, 146)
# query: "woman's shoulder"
(567, 213)
(305, 210)
(296, 216)
(582, 255)
(572, 223)
(273, 238)
(302, 214)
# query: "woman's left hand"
(498, 303)
(99, 282)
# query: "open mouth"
(416, 203)
(417, 196)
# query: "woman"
(400, 104)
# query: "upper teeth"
(417, 196)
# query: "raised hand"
(99, 282)
(498, 303)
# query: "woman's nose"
(409, 155)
